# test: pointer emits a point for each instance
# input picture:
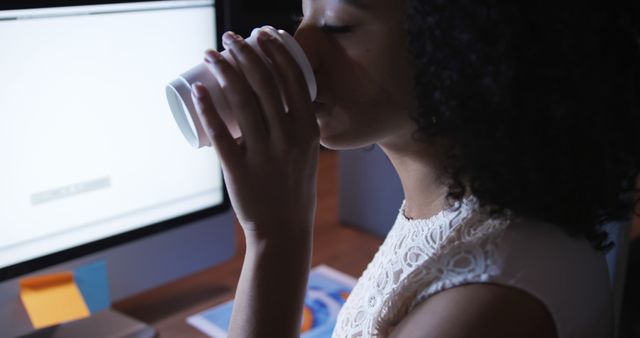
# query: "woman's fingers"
(263, 83)
(239, 95)
(254, 96)
(294, 85)
(213, 125)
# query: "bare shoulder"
(478, 310)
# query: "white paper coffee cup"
(179, 90)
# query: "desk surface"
(340, 247)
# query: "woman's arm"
(478, 310)
(270, 294)
(271, 177)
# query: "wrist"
(280, 234)
(285, 241)
(288, 255)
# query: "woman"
(511, 126)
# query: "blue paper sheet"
(92, 279)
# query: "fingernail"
(211, 56)
(231, 37)
(265, 36)
(197, 89)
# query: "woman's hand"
(271, 177)
(271, 170)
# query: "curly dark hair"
(538, 103)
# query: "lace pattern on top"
(417, 259)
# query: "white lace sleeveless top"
(463, 245)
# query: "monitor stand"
(108, 323)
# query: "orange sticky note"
(52, 299)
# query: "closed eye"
(331, 29)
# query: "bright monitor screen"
(88, 146)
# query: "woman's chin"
(337, 133)
(341, 141)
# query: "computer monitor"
(93, 166)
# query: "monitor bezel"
(58, 257)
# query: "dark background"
(244, 15)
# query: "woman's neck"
(424, 193)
